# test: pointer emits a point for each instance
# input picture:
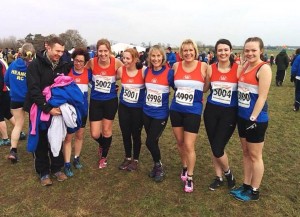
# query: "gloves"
(251, 125)
(293, 77)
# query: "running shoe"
(60, 176)
(102, 163)
(68, 171)
(133, 165)
(237, 191)
(45, 180)
(5, 142)
(125, 164)
(76, 163)
(183, 175)
(189, 186)
(216, 184)
(248, 195)
(157, 172)
(13, 157)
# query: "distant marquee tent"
(117, 48)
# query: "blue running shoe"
(76, 163)
(248, 195)
(68, 171)
(5, 142)
(237, 191)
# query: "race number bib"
(221, 93)
(154, 98)
(103, 84)
(244, 97)
(131, 95)
(185, 96)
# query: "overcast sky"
(164, 21)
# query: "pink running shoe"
(102, 163)
(189, 186)
(183, 176)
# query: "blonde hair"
(27, 51)
(162, 52)
(186, 42)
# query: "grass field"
(111, 192)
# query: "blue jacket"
(69, 94)
(15, 79)
(171, 58)
(296, 67)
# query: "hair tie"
(28, 54)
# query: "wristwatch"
(252, 118)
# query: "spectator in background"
(15, 79)
(272, 60)
(282, 61)
(295, 77)
(91, 52)
(171, 57)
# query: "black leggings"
(154, 128)
(131, 124)
(220, 123)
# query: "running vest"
(104, 81)
(248, 94)
(133, 89)
(188, 92)
(82, 81)
(156, 102)
(223, 87)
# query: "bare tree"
(72, 39)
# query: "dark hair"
(56, 40)
(261, 45)
(81, 51)
(227, 42)
(297, 51)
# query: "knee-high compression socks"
(100, 140)
(106, 142)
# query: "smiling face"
(156, 58)
(55, 52)
(79, 62)
(103, 53)
(188, 52)
(252, 51)
(223, 52)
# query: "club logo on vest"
(223, 78)
(154, 80)
(187, 77)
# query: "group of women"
(237, 95)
